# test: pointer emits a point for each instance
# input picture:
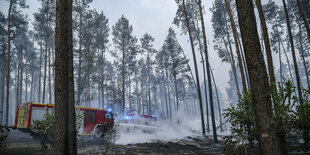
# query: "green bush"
(288, 115)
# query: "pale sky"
(154, 17)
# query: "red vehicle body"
(26, 113)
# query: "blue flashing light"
(127, 117)
(153, 115)
(109, 110)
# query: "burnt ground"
(188, 145)
(23, 144)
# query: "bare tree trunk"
(61, 137)
(8, 67)
(303, 55)
(232, 60)
(3, 75)
(167, 109)
(176, 89)
(47, 44)
(123, 80)
(71, 102)
(26, 82)
(190, 70)
(40, 74)
(49, 76)
(260, 91)
(168, 87)
(244, 63)
(235, 36)
(218, 100)
(204, 78)
(268, 49)
(299, 86)
(32, 81)
(196, 68)
(208, 71)
(303, 18)
(149, 82)
(80, 63)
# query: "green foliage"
(303, 112)
(45, 127)
(243, 131)
(283, 104)
(42, 127)
(288, 116)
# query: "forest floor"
(24, 144)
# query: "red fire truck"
(26, 113)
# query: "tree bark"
(3, 78)
(303, 18)
(208, 71)
(260, 91)
(268, 49)
(9, 66)
(303, 55)
(204, 78)
(47, 44)
(218, 100)
(61, 139)
(235, 36)
(293, 53)
(196, 68)
(80, 63)
(40, 74)
(232, 60)
(71, 102)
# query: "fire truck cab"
(26, 113)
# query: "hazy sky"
(154, 17)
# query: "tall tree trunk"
(218, 100)
(196, 68)
(208, 71)
(260, 91)
(49, 77)
(189, 67)
(2, 88)
(176, 89)
(61, 92)
(244, 63)
(303, 18)
(235, 36)
(32, 81)
(168, 87)
(206, 95)
(123, 80)
(47, 44)
(8, 67)
(71, 102)
(204, 77)
(80, 63)
(268, 49)
(232, 60)
(303, 55)
(40, 69)
(17, 79)
(293, 53)
(167, 109)
(149, 82)
(26, 82)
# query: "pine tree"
(123, 41)
(260, 91)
